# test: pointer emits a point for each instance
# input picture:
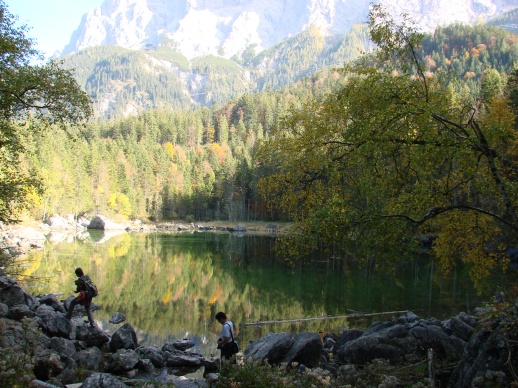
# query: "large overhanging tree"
(394, 155)
(32, 98)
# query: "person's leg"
(89, 313)
(71, 308)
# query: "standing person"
(84, 298)
(226, 342)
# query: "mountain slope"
(122, 81)
(230, 27)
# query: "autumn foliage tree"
(32, 98)
(394, 155)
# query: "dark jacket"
(81, 285)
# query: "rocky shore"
(18, 240)
(41, 347)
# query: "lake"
(170, 286)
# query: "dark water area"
(170, 286)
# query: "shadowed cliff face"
(227, 28)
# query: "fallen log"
(324, 317)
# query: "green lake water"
(170, 286)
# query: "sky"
(51, 22)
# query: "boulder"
(306, 349)
(47, 364)
(183, 344)
(402, 338)
(458, 328)
(20, 311)
(89, 358)
(153, 353)
(4, 309)
(57, 222)
(102, 380)
(175, 360)
(272, 347)
(145, 365)
(62, 346)
(53, 323)
(484, 361)
(52, 301)
(102, 223)
(12, 294)
(123, 360)
(124, 338)
(117, 318)
(91, 336)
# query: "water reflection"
(170, 286)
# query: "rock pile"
(58, 348)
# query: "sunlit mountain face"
(228, 28)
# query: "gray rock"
(12, 294)
(123, 360)
(117, 318)
(89, 359)
(52, 301)
(20, 311)
(183, 344)
(68, 375)
(4, 309)
(53, 323)
(174, 360)
(124, 338)
(62, 346)
(47, 364)
(306, 349)
(272, 347)
(485, 354)
(91, 336)
(145, 365)
(347, 336)
(458, 328)
(153, 353)
(102, 380)
(103, 223)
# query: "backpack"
(91, 288)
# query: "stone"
(124, 338)
(174, 360)
(47, 364)
(52, 301)
(91, 336)
(458, 328)
(117, 318)
(123, 360)
(183, 344)
(53, 323)
(306, 349)
(62, 346)
(103, 380)
(89, 359)
(273, 346)
(153, 353)
(20, 311)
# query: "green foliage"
(17, 344)
(260, 374)
(396, 153)
(170, 55)
(32, 99)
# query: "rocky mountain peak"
(228, 27)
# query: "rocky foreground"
(40, 347)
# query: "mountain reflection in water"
(170, 286)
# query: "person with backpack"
(226, 342)
(87, 291)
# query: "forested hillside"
(199, 164)
(123, 81)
